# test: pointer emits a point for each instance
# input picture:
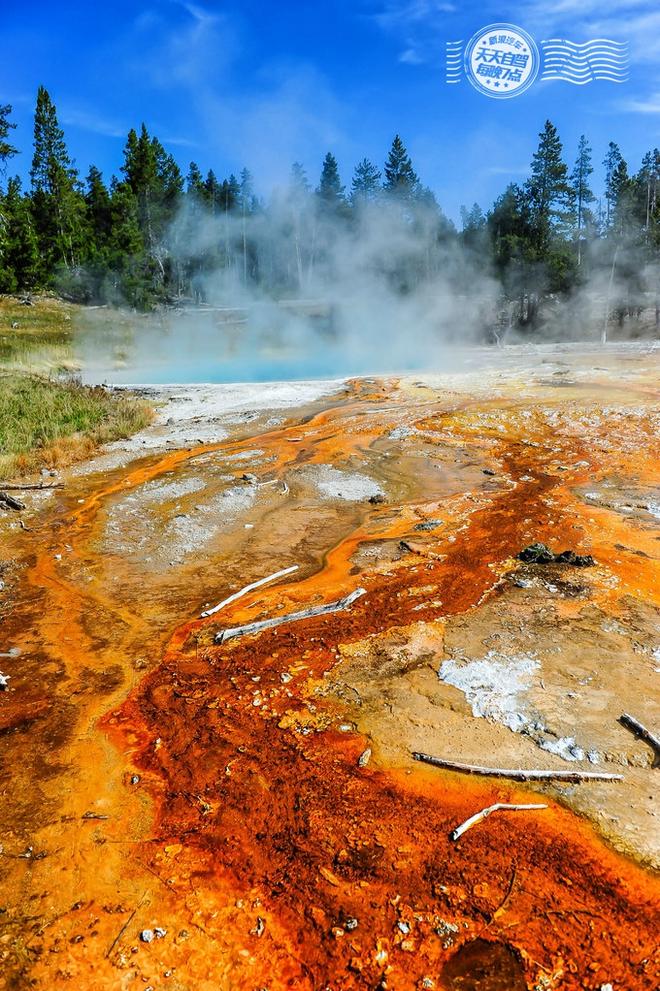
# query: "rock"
(377, 499)
(364, 757)
(575, 560)
(536, 554)
(488, 471)
(428, 525)
(540, 554)
(4, 682)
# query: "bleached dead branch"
(645, 734)
(480, 816)
(294, 617)
(517, 774)
(248, 588)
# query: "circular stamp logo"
(502, 60)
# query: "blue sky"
(234, 82)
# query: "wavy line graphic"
(565, 43)
(599, 58)
(454, 62)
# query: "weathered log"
(248, 588)
(480, 816)
(294, 617)
(10, 502)
(516, 774)
(645, 734)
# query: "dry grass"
(48, 423)
(47, 420)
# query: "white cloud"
(403, 13)
(92, 121)
(643, 105)
(410, 56)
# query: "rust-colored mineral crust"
(185, 814)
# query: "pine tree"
(246, 205)
(19, 252)
(621, 192)
(212, 191)
(58, 207)
(230, 194)
(7, 150)
(365, 185)
(155, 180)
(302, 225)
(195, 182)
(581, 194)
(330, 190)
(647, 188)
(474, 227)
(400, 177)
(547, 189)
(129, 279)
(299, 183)
(99, 212)
(612, 163)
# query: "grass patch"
(50, 421)
(38, 336)
(45, 422)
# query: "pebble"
(364, 757)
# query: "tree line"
(152, 235)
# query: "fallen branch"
(480, 816)
(10, 502)
(517, 774)
(636, 727)
(37, 486)
(294, 617)
(248, 588)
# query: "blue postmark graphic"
(502, 60)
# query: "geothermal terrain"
(188, 811)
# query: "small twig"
(22, 525)
(294, 617)
(125, 926)
(502, 905)
(480, 816)
(504, 902)
(248, 588)
(516, 774)
(636, 727)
